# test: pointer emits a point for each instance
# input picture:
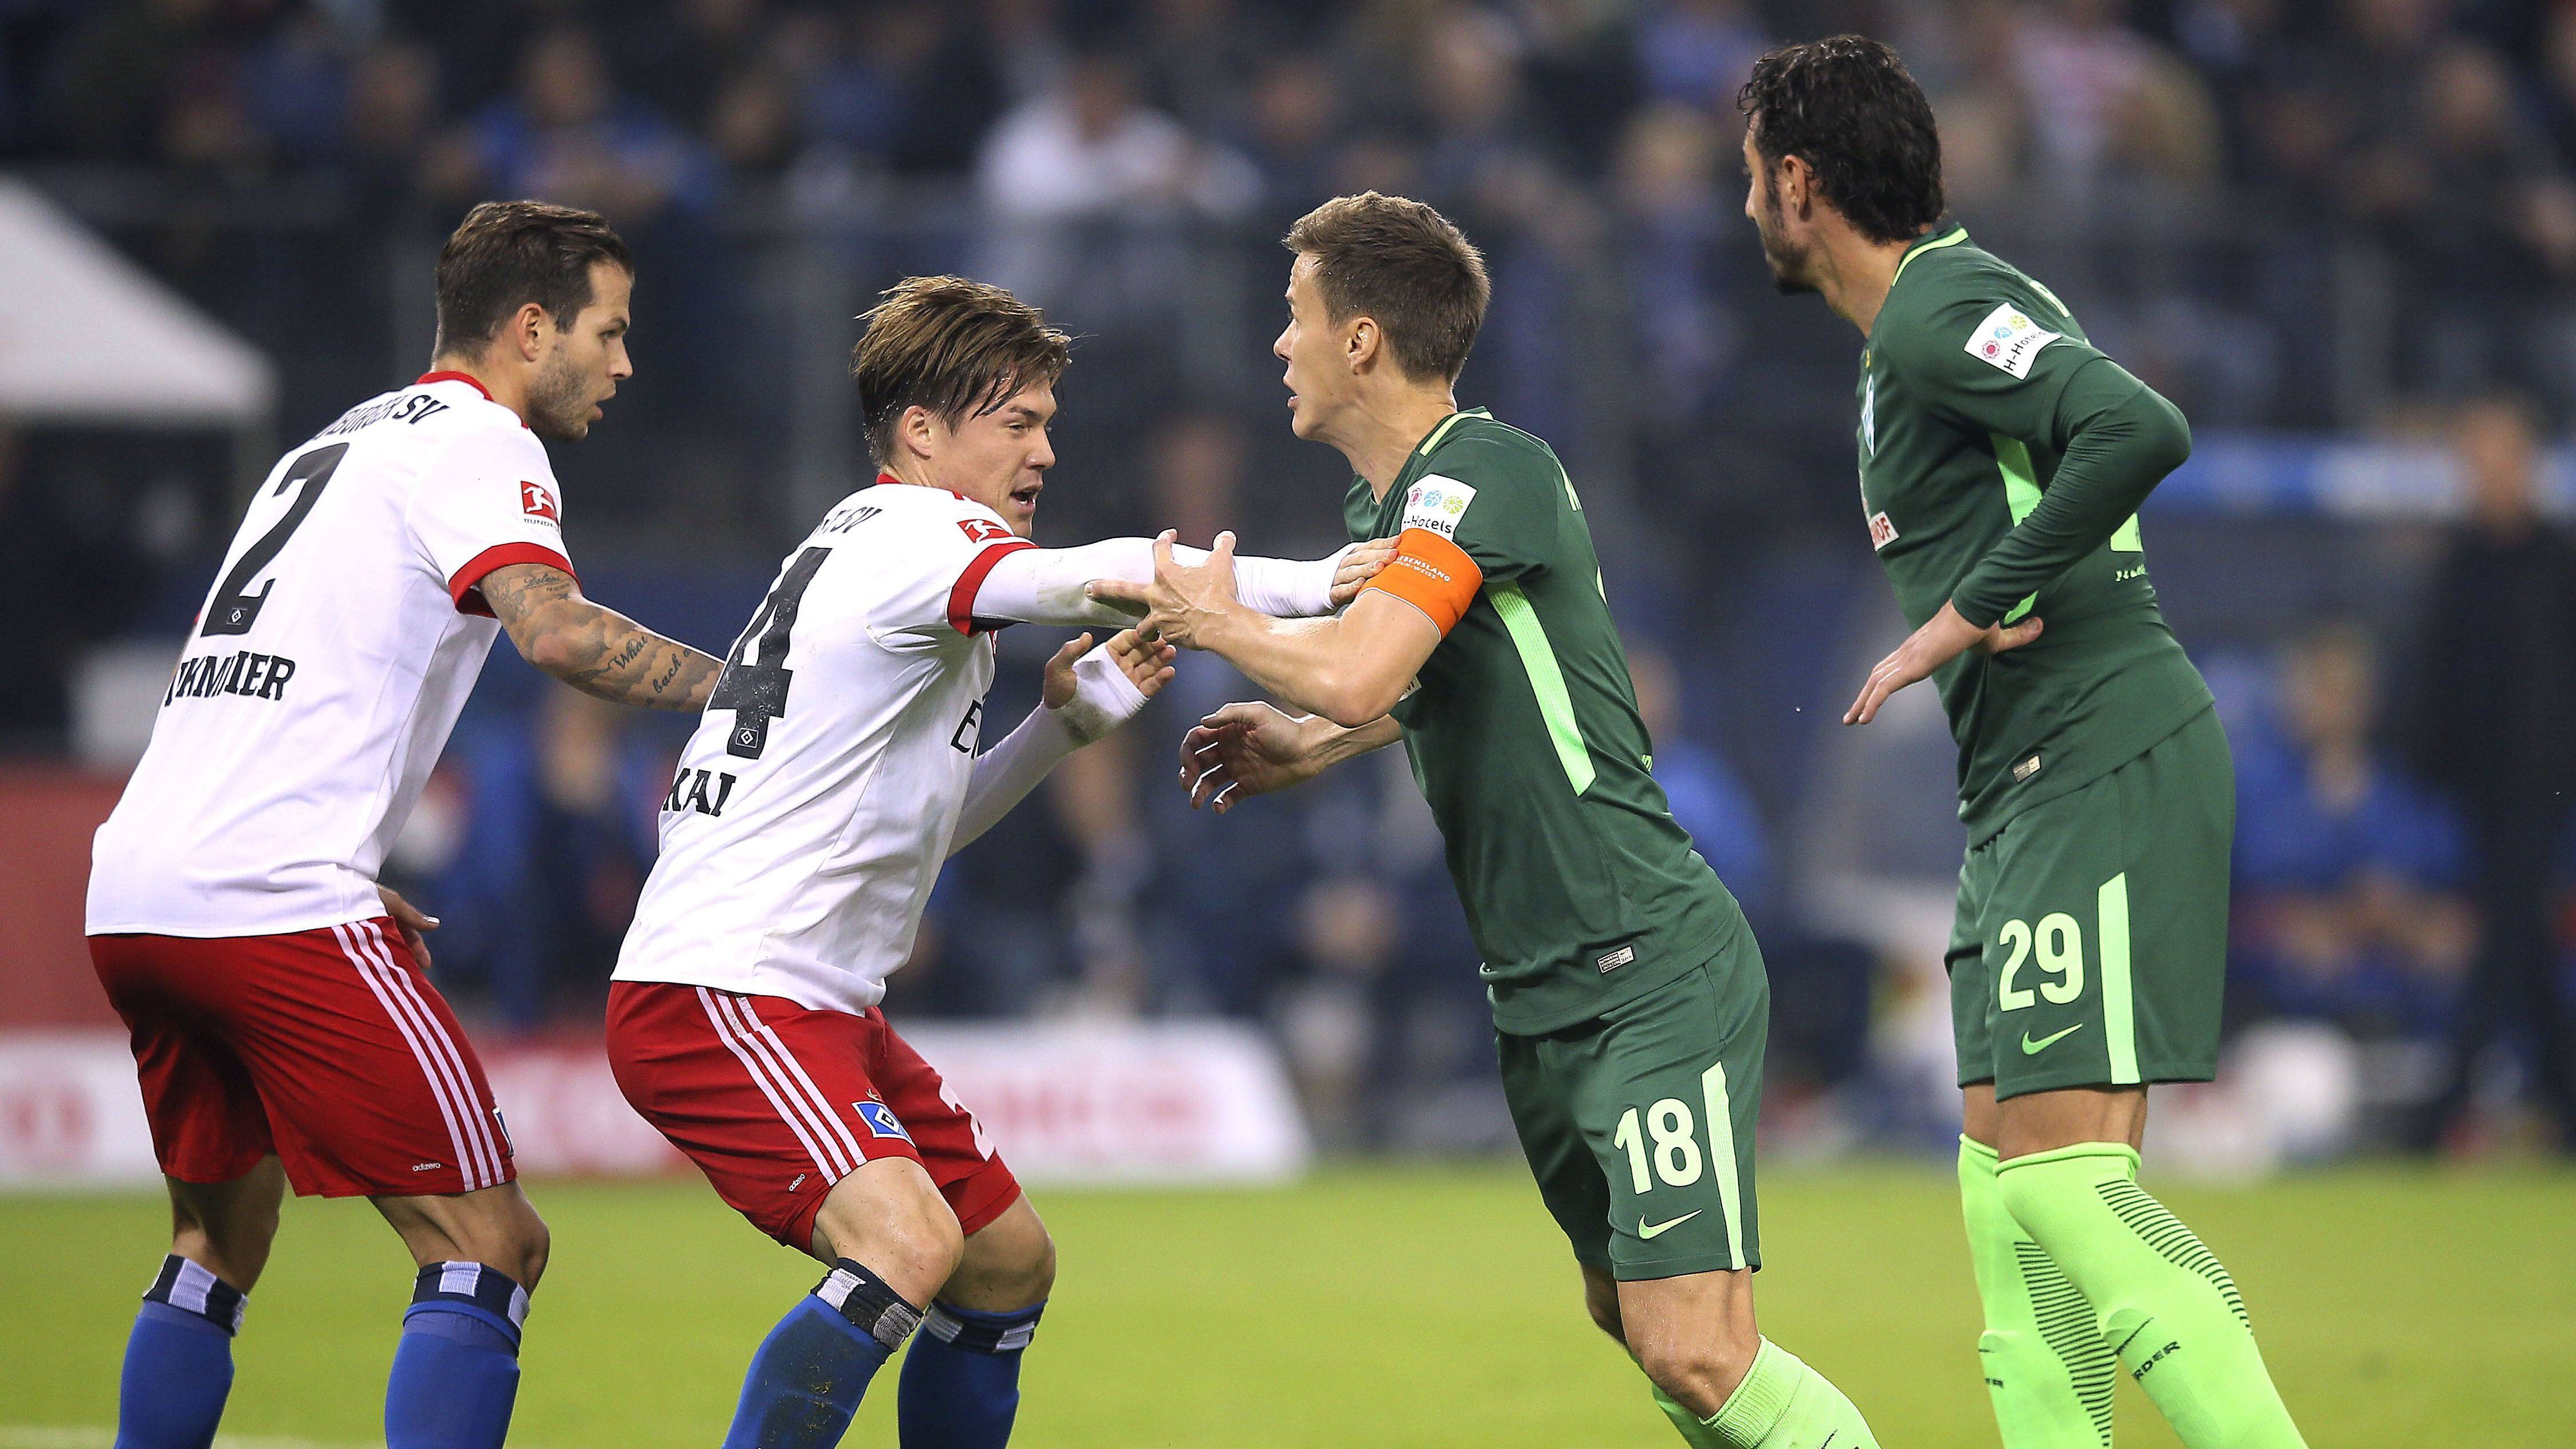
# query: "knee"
(919, 1245)
(525, 1243)
(1037, 1270)
(1698, 1373)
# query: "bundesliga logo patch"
(880, 1120)
(536, 502)
(983, 530)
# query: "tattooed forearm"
(597, 651)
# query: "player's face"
(1791, 261)
(587, 361)
(1318, 377)
(1000, 458)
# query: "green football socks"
(2047, 1367)
(1782, 1404)
(2163, 1303)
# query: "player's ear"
(530, 329)
(918, 430)
(1360, 348)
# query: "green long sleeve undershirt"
(2116, 438)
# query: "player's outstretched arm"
(1245, 750)
(1086, 694)
(595, 650)
(1052, 586)
(1351, 668)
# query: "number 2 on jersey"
(233, 609)
(756, 689)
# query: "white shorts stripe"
(478, 1112)
(478, 1126)
(437, 1086)
(759, 1078)
(792, 1081)
(815, 1095)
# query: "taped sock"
(814, 1367)
(961, 1382)
(455, 1378)
(178, 1359)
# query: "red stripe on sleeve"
(461, 585)
(961, 599)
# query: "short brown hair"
(507, 254)
(1404, 264)
(957, 347)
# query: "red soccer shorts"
(327, 1047)
(776, 1102)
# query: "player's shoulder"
(1967, 308)
(1480, 453)
(448, 418)
(1477, 442)
(917, 514)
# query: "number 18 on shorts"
(1638, 1124)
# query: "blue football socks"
(808, 1377)
(961, 1384)
(456, 1371)
(179, 1359)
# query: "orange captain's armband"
(1433, 575)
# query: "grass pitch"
(1368, 1307)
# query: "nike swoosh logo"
(2031, 1048)
(1655, 1230)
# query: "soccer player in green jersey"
(2002, 463)
(1629, 1000)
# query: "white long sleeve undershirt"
(1044, 585)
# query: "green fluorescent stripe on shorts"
(2119, 1021)
(1546, 681)
(2021, 493)
(1721, 1155)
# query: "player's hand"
(1147, 666)
(1360, 563)
(1181, 602)
(1094, 691)
(412, 921)
(1245, 750)
(1944, 638)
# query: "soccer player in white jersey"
(833, 772)
(283, 1025)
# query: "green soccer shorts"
(1638, 1123)
(2090, 946)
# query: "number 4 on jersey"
(756, 690)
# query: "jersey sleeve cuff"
(961, 599)
(464, 585)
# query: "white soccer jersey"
(814, 805)
(340, 640)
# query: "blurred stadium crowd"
(2334, 218)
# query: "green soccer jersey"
(1959, 387)
(1581, 890)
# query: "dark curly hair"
(1847, 107)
